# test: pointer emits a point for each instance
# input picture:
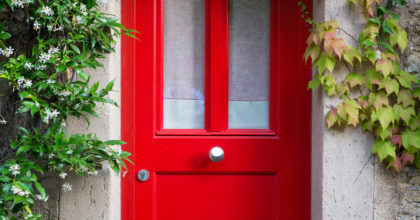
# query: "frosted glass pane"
(249, 64)
(184, 25)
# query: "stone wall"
(347, 182)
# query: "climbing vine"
(376, 93)
(46, 46)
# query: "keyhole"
(143, 175)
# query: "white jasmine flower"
(378, 55)
(67, 187)
(3, 122)
(47, 11)
(83, 169)
(82, 7)
(15, 169)
(70, 151)
(64, 93)
(17, 3)
(41, 67)
(54, 50)
(77, 106)
(16, 190)
(63, 124)
(59, 28)
(49, 27)
(50, 81)
(37, 26)
(44, 57)
(78, 19)
(50, 156)
(63, 175)
(95, 173)
(28, 66)
(28, 83)
(39, 197)
(7, 52)
(55, 113)
(20, 81)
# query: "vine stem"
(347, 33)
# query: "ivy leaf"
(324, 61)
(349, 110)
(396, 140)
(384, 66)
(406, 79)
(331, 118)
(383, 149)
(416, 93)
(404, 113)
(411, 139)
(354, 79)
(399, 38)
(378, 99)
(312, 51)
(407, 157)
(372, 78)
(385, 116)
(384, 133)
(397, 165)
(391, 85)
(406, 98)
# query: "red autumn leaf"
(396, 140)
(397, 164)
(407, 157)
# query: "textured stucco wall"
(98, 197)
(344, 188)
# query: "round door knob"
(216, 154)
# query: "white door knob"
(216, 154)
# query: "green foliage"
(377, 95)
(52, 84)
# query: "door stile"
(218, 59)
(127, 108)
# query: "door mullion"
(217, 67)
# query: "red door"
(207, 73)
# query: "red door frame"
(132, 64)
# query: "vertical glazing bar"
(218, 59)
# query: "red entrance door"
(207, 73)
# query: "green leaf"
(354, 79)
(378, 99)
(331, 118)
(406, 79)
(399, 38)
(411, 139)
(114, 142)
(349, 110)
(385, 116)
(383, 149)
(324, 61)
(384, 133)
(40, 189)
(384, 66)
(75, 48)
(313, 84)
(391, 85)
(372, 78)
(404, 113)
(406, 98)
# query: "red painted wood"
(218, 59)
(265, 173)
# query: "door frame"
(130, 60)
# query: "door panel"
(265, 170)
(216, 196)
